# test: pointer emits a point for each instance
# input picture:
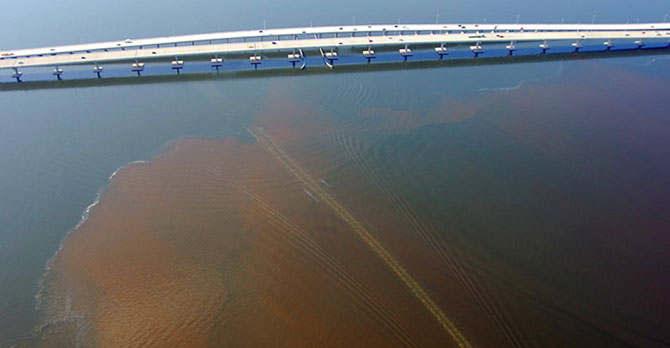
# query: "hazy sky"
(33, 23)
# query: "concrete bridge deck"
(326, 38)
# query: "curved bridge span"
(326, 39)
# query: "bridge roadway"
(326, 38)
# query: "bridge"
(326, 40)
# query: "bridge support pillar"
(255, 60)
(369, 54)
(477, 49)
(405, 53)
(544, 46)
(441, 51)
(138, 68)
(17, 74)
(177, 64)
(58, 72)
(511, 48)
(332, 56)
(577, 45)
(608, 45)
(216, 62)
(294, 58)
(97, 69)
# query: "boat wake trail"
(313, 185)
(447, 255)
(299, 238)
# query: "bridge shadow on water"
(322, 69)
